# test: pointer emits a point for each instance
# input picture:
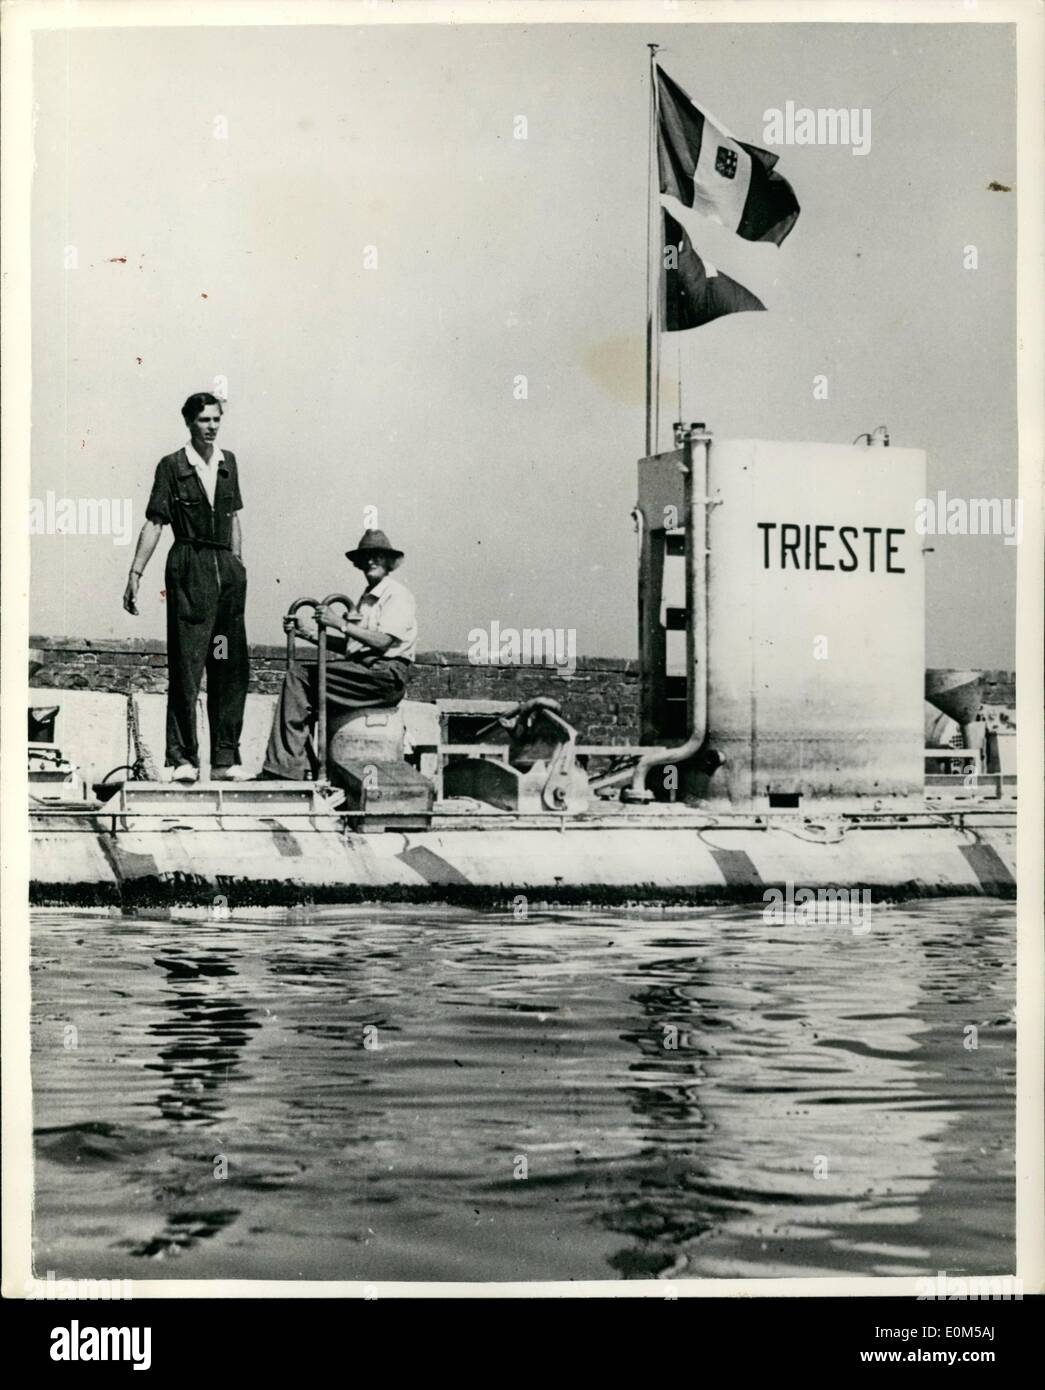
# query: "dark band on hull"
(738, 868)
(991, 870)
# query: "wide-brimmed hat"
(369, 542)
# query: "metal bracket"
(556, 791)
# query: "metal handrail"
(291, 637)
(321, 682)
(321, 660)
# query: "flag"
(703, 166)
(695, 292)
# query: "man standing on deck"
(379, 644)
(196, 493)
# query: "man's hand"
(301, 627)
(328, 616)
(130, 595)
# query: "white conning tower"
(781, 617)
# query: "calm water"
(820, 1113)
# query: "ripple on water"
(377, 1093)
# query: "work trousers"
(206, 596)
(352, 683)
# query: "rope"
(817, 832)
(139, 759)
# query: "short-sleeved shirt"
(389, 607)
(179, 499)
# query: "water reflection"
(203, 1029)
(693, 1097)
(662, 1210)
(780, 1122)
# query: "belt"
(207, 545)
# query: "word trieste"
(829, 547)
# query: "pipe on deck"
(696, 442)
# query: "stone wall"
(600, 698)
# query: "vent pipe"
(695, 441)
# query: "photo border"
(20, 20)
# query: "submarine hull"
(679, 860)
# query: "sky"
(219, 189)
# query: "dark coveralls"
(206, 597)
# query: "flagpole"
(653, 270)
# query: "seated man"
(378, 645)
